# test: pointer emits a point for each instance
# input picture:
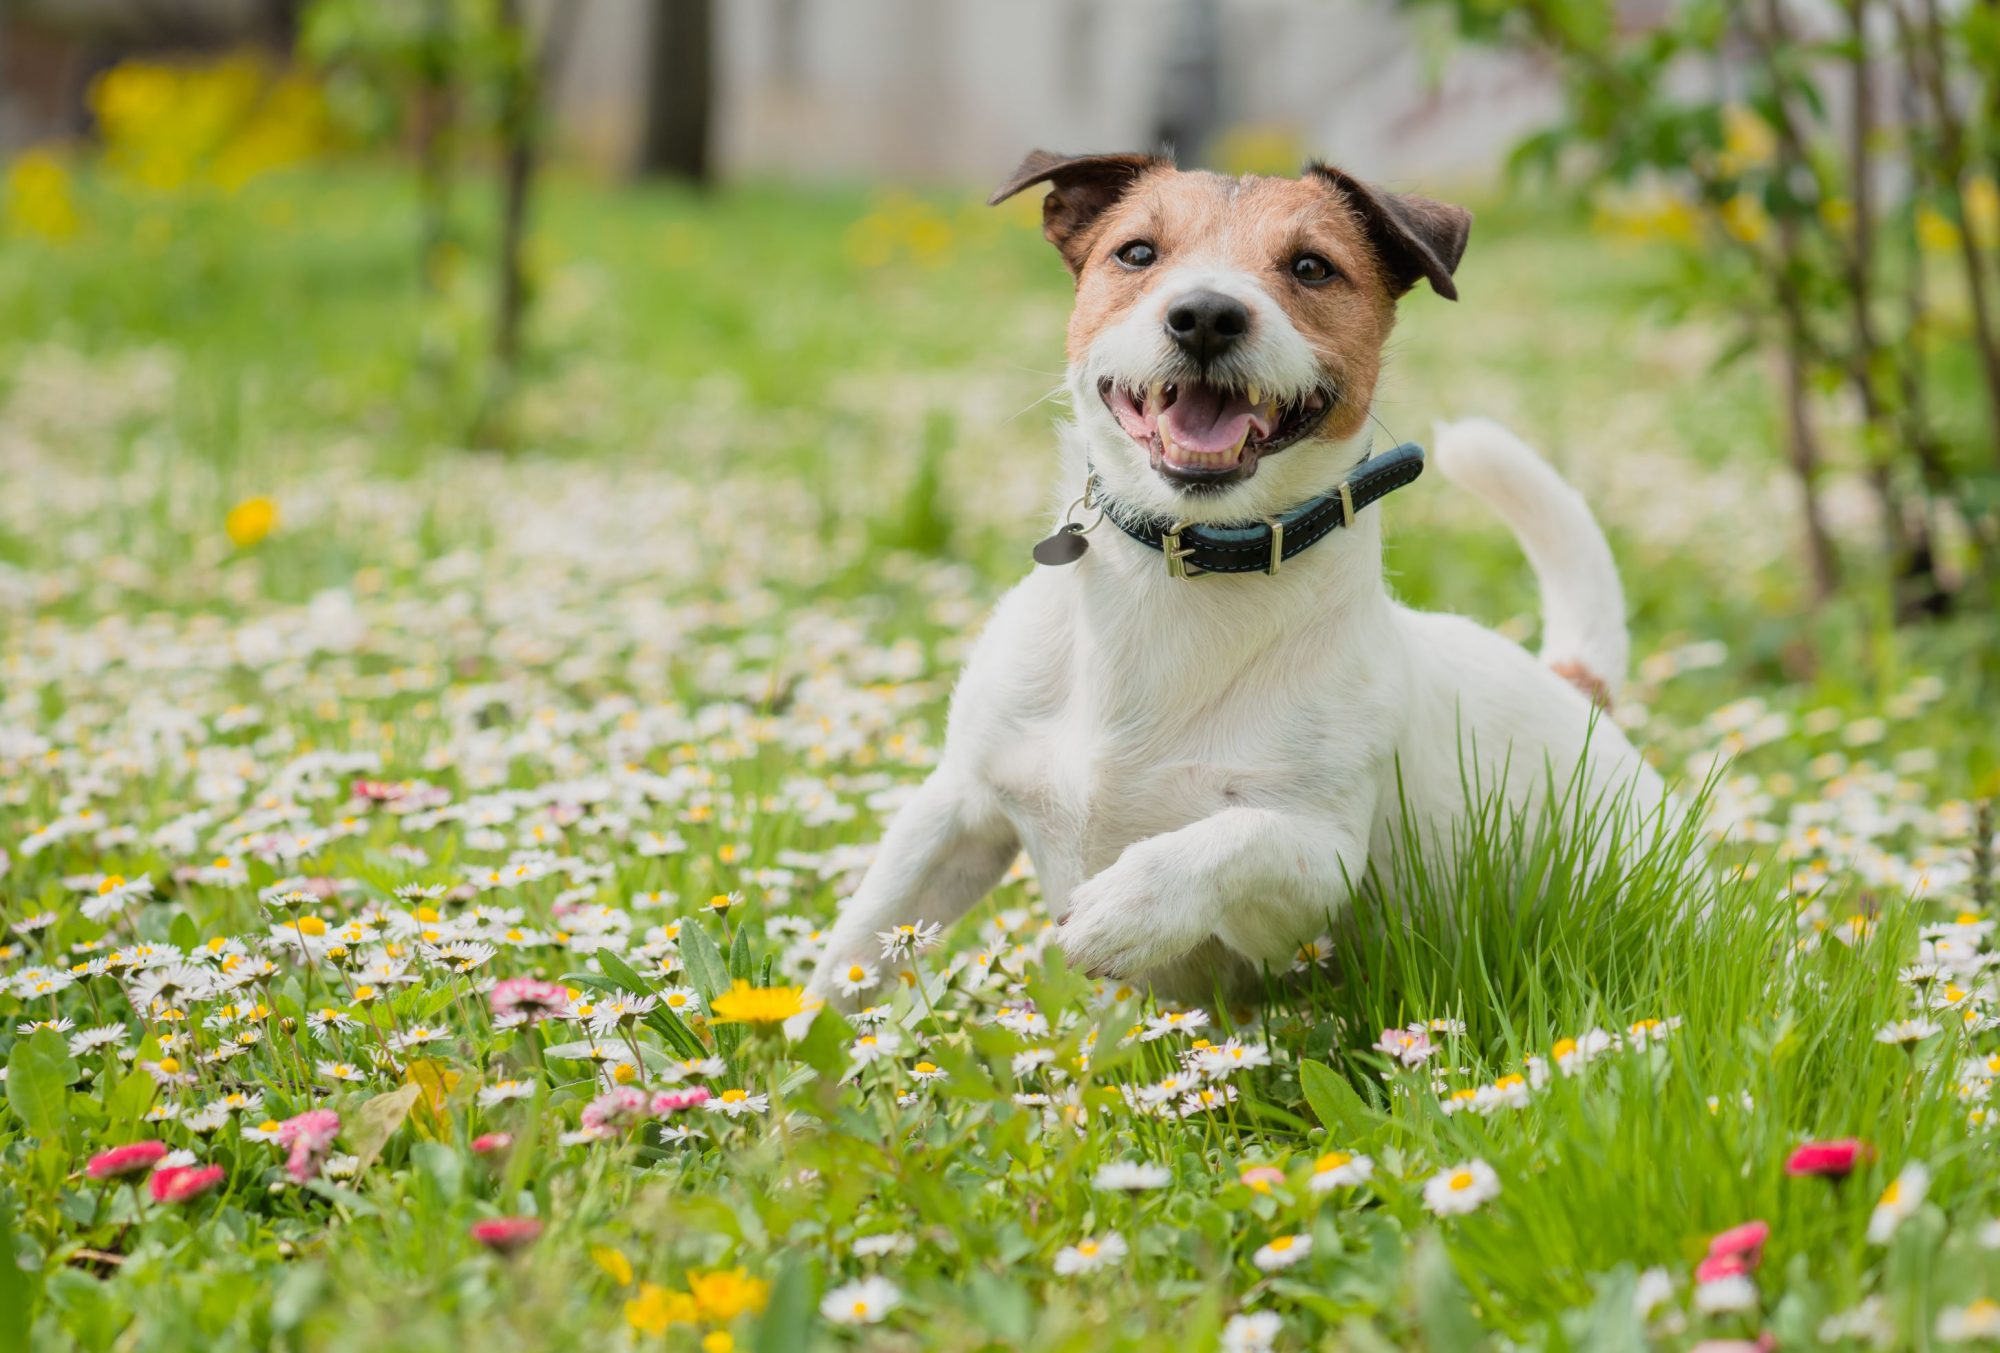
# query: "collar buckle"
(1176, 556)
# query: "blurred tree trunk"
(530, 68)
(1191, 111)
(436, 114)
(680, 90)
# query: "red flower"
(673, 1101)
(310, 1136)
(507, 1234)
(491, 1142)
(528, 998)
(180, 1183)
(1831, 1160)
(1745, 1242)
(124, 1160)
(1721, 1266)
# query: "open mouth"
(1200, 434)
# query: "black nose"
(1207, 324)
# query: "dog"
(1204, 716)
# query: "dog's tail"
(1583, 607)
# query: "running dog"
(1203, 714)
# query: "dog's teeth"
(1166, 439)
(1153, 395)
(1254, 394)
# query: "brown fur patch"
(1585, 680)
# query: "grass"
(691, 639)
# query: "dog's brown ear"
(1413, 236)
(1081, 188)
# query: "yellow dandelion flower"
(250, 521)
(39, 199)
(655, 1308)
(613, 1262)
(745, 1004)
(723, 1294)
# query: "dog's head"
(1222, 321)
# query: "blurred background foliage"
(1762, 234)
(1826, 175)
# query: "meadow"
(410, 847)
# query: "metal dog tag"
(1066, 546)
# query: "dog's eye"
(1137, 254)
(1313, 270)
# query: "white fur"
(1200, 769)
(1583, 607)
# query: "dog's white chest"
(1087, 776)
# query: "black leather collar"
(1263, 546)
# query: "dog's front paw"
(1135, 916)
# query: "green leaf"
(39, 1072)
(824, 1048)
(295, 1295)
(710, 976)
(377, 1120)
(184, 933)
(343, 1197)
(786, 1326)
(624, 974)
(1443, 1311)
(127, 1098)
(739, 955)
(679, 1036)
(1271, 1113)
(17, 1286)
(705, 967)
(1334, 1101)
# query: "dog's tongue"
(1204, 418)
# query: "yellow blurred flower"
(718, 1341)
(1838, 213)
(723, 1294)
(613, 1262)
(1647, 215)
(1982, 210)
(745, 1004)
(900, 225)
(40, 202)
(1744, 217)
(1936, 233)
(1747, 140)
(250, 521)
(655, 1308)
(169, 128)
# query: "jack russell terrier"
(1205, 720)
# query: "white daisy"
(1282, 1252)
(861, 1303)
(1090, 1254)
(1461, 1188)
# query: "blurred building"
(959, 89)
(950, 90)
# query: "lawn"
(387, 820)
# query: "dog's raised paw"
(1129, 919)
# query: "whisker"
(1057, 392)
